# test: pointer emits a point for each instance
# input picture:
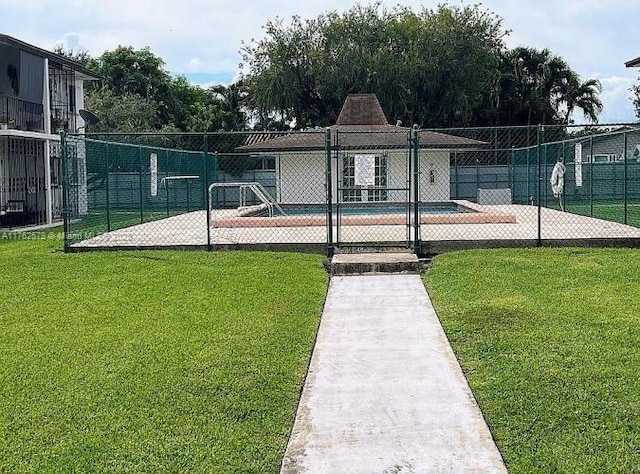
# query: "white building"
(370, 159)
(41, 94)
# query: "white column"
(47, 180)
(79, 101)
(46, 102)
(46, 110)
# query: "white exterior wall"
(79, 101)
(301, 177)
(397, 166)
(433, 164)
(436, 162)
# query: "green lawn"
(550, 342)
(193, 361)
(152, 361)
(607, 210)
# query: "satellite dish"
(89, 117)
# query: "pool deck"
(189, 230)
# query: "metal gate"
(374, 190)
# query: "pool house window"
(603, 158)
(369, 169)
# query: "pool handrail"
(268, 196)
(243, 197)
(258, 189)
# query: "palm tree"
(536, 84)
(584, 96)
(530, 74)
(554, 74)
(232, 99)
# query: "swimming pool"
(363, 214)
(368, 209)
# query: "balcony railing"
(21, 115)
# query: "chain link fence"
(599, 178)
(344, 189)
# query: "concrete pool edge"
(481, 215)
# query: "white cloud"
(616, 97)
(194, 64)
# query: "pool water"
(372, 209)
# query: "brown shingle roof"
(361, 125)
(394, 137)
(361, 109)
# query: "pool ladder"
(257, 188)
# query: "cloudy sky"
(201, 38)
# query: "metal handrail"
(20, 114)
(268, 196)
(258, 189)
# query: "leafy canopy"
(138, 94)
(441, 67)
(429, 68)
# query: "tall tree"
(430, 68)
(80, 56)
(537, 87)
(136, 72)
(584, 96)
(180, 101)
(139, 77)
(130, 71)
(121, 113)
(232, 99)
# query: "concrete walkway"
(384, 392)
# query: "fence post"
(205, 149)
(512, 172)
(529, 196)
(65, 190)
(624, 182)
(540, 177)
(106, 164)
(591, 178)
(477, 178)
(141, 184)
(564, 182)
(544, 175)
(455, 166)
(416, 189)
(341, 187)
(329, 191)
(166, 183)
